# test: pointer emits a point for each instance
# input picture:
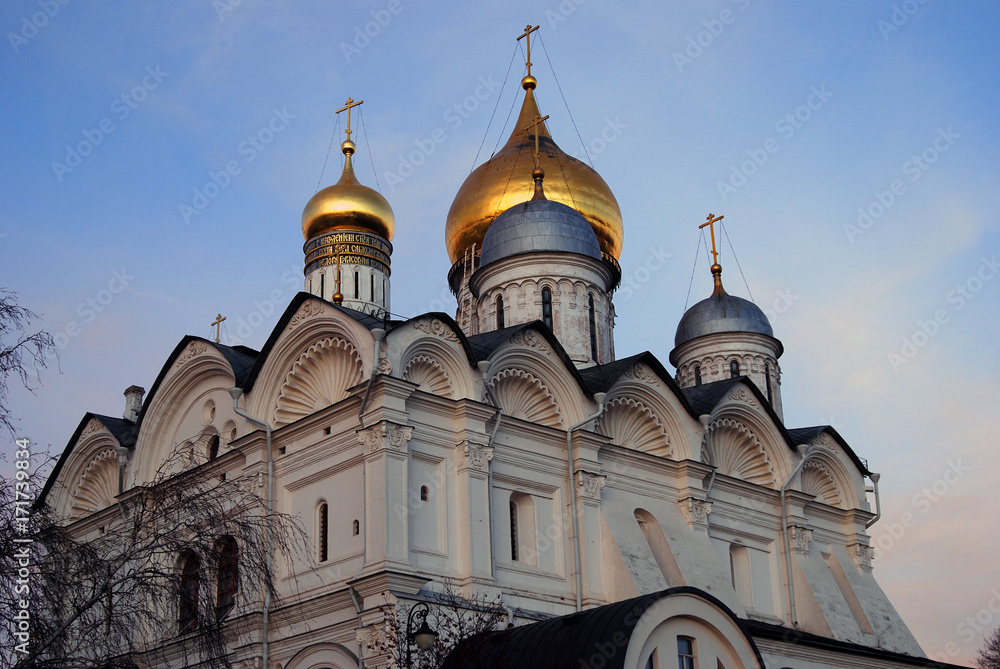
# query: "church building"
(625, 512)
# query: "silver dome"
(721, 313)
(538, 225)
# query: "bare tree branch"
(22, 354)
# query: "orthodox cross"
(218, 323)
(534, 122)
(709, 222)
(527, 33)
(350, 103)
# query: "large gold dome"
(505, 180)
(347, 205)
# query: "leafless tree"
(22, 352)
(989, 654)
(453, 617)
(174, 571)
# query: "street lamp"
(424, 636)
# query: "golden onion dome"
(347, 205)
(505, 180)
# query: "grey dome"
(538, 225)
(721, 313)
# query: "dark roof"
(601, 378)
(803, 435)
(568, 642)
(538, 225)
(704, 397)
(722, 313)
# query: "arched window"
(547, 307)
(500, 312)
(323, 535)
(424, 493)
(767, 381)
(593, 329)
(357, 286)
(734, 369)
(522, 528)
(697, 375)
(372, 277)
(187, 610)
(513, 530)
(213, 447)
(357, 528)
(228, 577)
(739, 569)
(322, 286)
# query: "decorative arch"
(429, 374)
(632, 424)
(738, 453)
(523, 396)
(643, 386)
(320, 377)
(97, 487)
(323, 656)
(818, 480)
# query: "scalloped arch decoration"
(320, 377)
(817, 480)
(429, 375)
(633, 425)
(739, 453)
(523, 396)
(98, 485)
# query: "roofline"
(453, 326)
(64, 456)
(780, 347)
(858, 462)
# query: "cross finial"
(218, 323)
(534, 122)
(350, 103)
(527, 33)
(709, 222)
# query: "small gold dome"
(347, 205)
(506, 180)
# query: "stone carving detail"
(384, 366)
(817, 480)
(252, 483)
(590, 484)
(531, 339)
(371, 638)
(429, 375)
(863, 555)
(695, 511)
(632, 424)
(742, 394)
(523, 396)
(435, 327)
(385, 436)
(477, 456)
(319, 378)
(309, 309)
(93, 425)
(739, 453)
(252, 663)
(193, 350)
(98, 486)
(641, 372)
(800, 538)
(826, 441)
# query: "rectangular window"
(685, 653)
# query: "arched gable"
(830, 476)
(527, 366)
(749, 431)
(313, 357)
(430, 353)
(323, 656)
(190, 397)
(88, 480)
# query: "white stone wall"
(322, 282)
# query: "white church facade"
(510, 451)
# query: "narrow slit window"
(767, 381)
(734, 369)
(513, 530)
(500, 312)
(213, 447)
(228, 577)
(424, 493)
(322, 286)
(357, 528)
(593, 329)
(547, 307)
(187, 612)
(685, 652)
(697, 375)
(324, 532)
(357, 286)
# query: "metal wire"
(503, 87)
(328, 149)
(545, 51)
(361, 115)
(697, 251)
(722, 225)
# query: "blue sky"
(785, 118)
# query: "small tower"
(725, 336)
(348, 229)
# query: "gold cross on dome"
(217, 323)
(527, 33)
(534, 122)
(709, 222)
(350, 103)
